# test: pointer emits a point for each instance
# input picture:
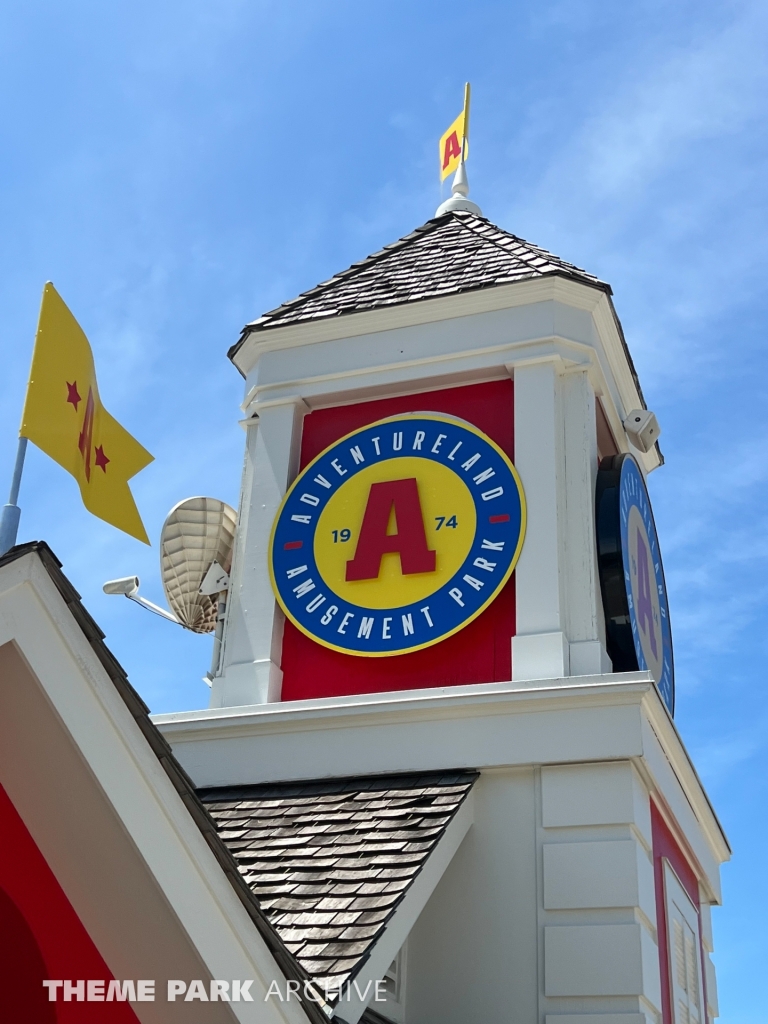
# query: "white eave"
(598, 345)
(484, 726)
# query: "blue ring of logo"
(331, 620)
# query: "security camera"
(127, 585)
(642, 428)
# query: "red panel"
(22, 969)
(665, 845)
(41, 937)
(480, 653)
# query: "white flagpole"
(9, 520)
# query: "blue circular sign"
(632, 576)
(398, 535)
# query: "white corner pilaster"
(540, 646)
(253, 630)
(560, 630)
(598, 910)
(582, 602)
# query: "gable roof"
(457, 252)
(181, 782)
(330, 861)
(321, 867)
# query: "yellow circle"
(449, 524)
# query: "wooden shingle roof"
(330, 861)
(457, 252)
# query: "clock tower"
(440, 743)
(458, 319)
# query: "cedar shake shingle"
(457, 252)
(338, 857)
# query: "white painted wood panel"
(615, 873)
(601, 960)
(595, 794)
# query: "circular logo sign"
(398, 535)
(632, 576)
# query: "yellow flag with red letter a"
(456, 138)
(63, 416)
(450, 148)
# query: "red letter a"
(86, 434)
(410, 541)
(452, 149)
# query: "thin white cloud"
(708, 91)
(646, 185)
(719, 757)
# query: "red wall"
(479, 653)
(41, 937)
(665, 845)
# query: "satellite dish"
(197, 533)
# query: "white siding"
(595, 794)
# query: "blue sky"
(178, 168)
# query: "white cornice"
(671, 742)
(627, 703)
(411, 314)
(611, 369)
(426, 704)
(443, 367)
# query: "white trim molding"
(487, 726)
(167, 874)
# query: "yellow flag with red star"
(63, 416)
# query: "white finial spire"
(460, 181)
(460, 190)
(460, 187)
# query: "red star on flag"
(101, 459)
(73, 427)
(72, 396)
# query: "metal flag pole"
(465, 123)
(9, 521)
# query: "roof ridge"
(508, 235)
